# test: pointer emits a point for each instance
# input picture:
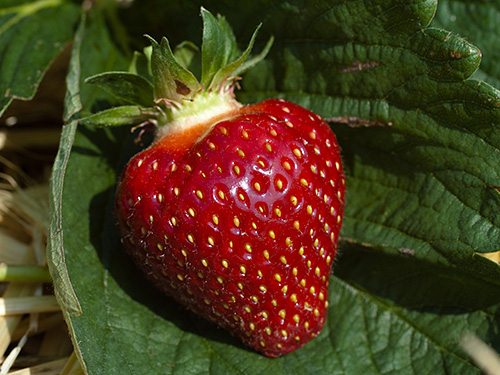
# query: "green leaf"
(218, 47)
(128, 87)
(477, 22)
(422, 201)
(170, 79)
(32, 34)
(117, 116)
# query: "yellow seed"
(269, 148)
(244, 133)
(261, 163)
(306, 325)
(286, 109)
(283, 259)
(328, 259)
(176, 191)
(247, 309)
(297, 152)
(211, 145)
(294, 200)
(288, 241)
(252, 326)
(226, 306)
(277, 211)
(241, 196)
(284, 333)
(243, 269)
(183, 252)
(293, 298)
(312, 135)
(199, 194)
(301, 250)
(289, 124)
(296, 318)
(337, 165)
(200, 275)
(259, 272)
(248, 248)
(221, 194)
(285, 289)
(279, 184)
(321, 296)
(257, 186)
(274, 302)
(316, 312)
(272, 234)
(266, 254)
(191, 212)
(314, 169)
(190, 238)
(296, 224)
(254, 298)
(268, 330)
(287, 165)
(241, 153)
(237, 170)
(295, 271)
(303, 282)
(282, 314)
(312, 290)
(223, 130)
(262, 343)
(273, 132)
(139, 163)
(309, 209)
(159, 246)
(204, 262)
(264, 314)
(297, 338)
(215, 219)
(236, 221)
(180, 277)
(277, 277)
(225, 263)
(160, 197)
(304, 182)
(254, 226)
(220, 280)
(263, 288)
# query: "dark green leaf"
(128, 87)
(171, 81)
(117, 116)
(32, 34)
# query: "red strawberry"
(235, 211)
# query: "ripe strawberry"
(235, 210)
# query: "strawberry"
(234, 211)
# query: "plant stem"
(24, 273)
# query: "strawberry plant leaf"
(422, 168)
(170, 79)
(32, 34)
(475, 21)
(116, 116)
(128, 87)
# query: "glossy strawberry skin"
(241, 227)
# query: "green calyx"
(160, 88)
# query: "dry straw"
(33, 334)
